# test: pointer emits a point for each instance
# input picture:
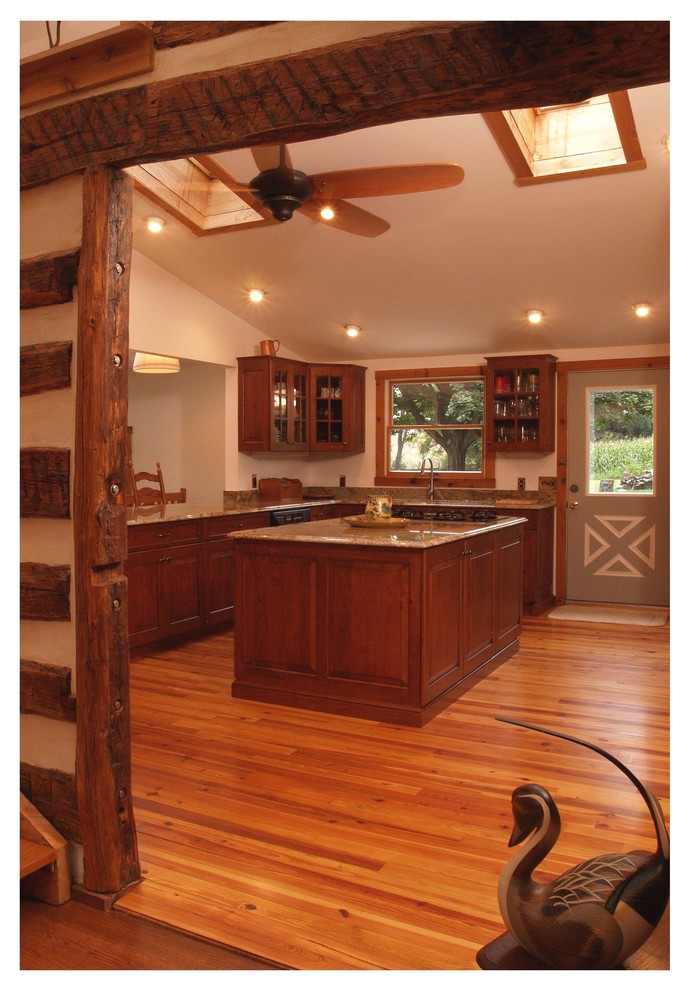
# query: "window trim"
(485, 479)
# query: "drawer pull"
(162, 535)
(164, 560)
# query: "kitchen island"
(388, 624)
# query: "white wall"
(189, 421)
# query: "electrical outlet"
(342, 480)
(521, 484)
(253, 481)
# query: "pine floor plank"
(330, 843)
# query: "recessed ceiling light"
(352, 330)
(327, 213)
(642, 309)
(535, 315)
(256, 295)
(155, 224)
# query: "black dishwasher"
(283, 517)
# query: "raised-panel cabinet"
(291, 406)
(520, 403)
(181, 576)
(373, 631)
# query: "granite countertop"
(410, 534)
(188, 510)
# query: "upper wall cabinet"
(288, 406)
(337, 408)
(520, 396)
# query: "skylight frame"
(516, 132)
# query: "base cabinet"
(374, 632)
(537, 578)
(181, 576)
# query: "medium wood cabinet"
(181, 576)
(165, 585)
(272, 404)
(520, 403)
(537, 578)
(291, 406)
(372, 631)
(337, 408)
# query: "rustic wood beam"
(103, 767)
(53, 792)
(172, 34)
(44, 592)
(431, 70)
(44, 475)
(48, 280)
(45, 367)
(45, 689)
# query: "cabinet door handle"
(162, 535)
(164, 560)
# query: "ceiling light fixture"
(155, 364)
(352, 330)
(256, 295)
(155, 224)
(642, 309)
(535, 315)
(327, 213)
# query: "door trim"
(563, 370)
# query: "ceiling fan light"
(642, 309)
(535, 315)
(155, 364)
(327, 213)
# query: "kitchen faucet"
(431, 476)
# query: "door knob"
(574, 505)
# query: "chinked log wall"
(44, 492)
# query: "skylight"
(546, 143)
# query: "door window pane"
(621, 440)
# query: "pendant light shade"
(155, 364)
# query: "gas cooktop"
(449, 515)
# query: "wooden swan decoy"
(596, 914)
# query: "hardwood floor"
(326, 842)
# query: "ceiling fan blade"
(271, 156)
(348, 217)
(386, 180)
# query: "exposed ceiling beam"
(432, 70)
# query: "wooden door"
(618, 487)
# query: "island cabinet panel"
(373, 631)
(281, 596)
(479, 612)
(508, 584)
(443, 633)
(374, 665)
(537, 573)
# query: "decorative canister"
(379, 507)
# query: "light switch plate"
(547, 484)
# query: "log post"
(103, 762)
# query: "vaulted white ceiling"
(459, 267)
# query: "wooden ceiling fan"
(283, 189)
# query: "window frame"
(483, 479)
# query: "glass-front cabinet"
(286, 405)
(273, 404)
(520, 396)
(337, 402)
(289, 427)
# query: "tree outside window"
(437, 413)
